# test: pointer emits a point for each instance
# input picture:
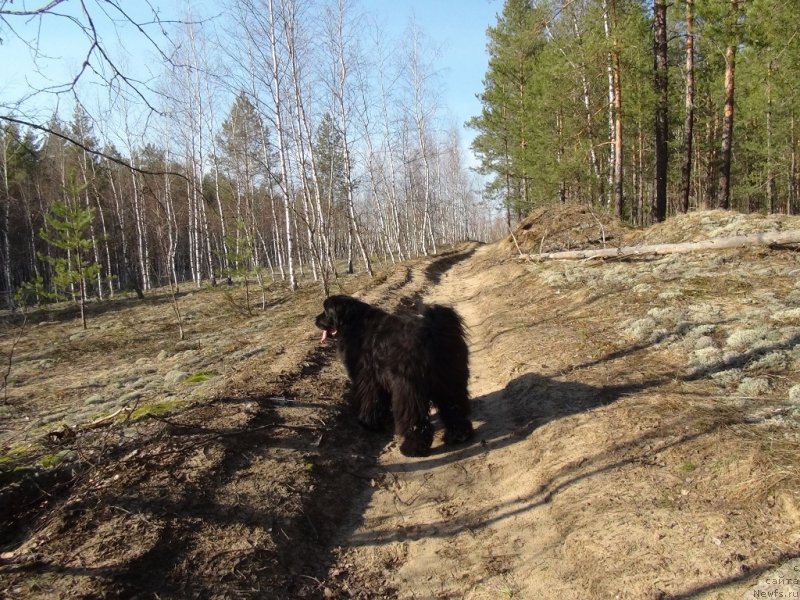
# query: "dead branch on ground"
(773, 238)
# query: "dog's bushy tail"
(449, 372)
(444, 321)
(448, 342)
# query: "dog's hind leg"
(372, 403)
(457, 426)
(448, 369)
(412, 421)
(451, 400)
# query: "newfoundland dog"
(400, 365)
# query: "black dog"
(400, 365)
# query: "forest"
(644, 108)
(300, 146)
(287, 140)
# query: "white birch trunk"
(280, 134)
(6, 223)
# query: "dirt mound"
(564, 227)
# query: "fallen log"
(772, 238)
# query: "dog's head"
(339, 314)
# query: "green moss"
(18, 451)
(688, 467)
(51, 460)
(200, 377)
(155, 409)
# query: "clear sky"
(457, 28)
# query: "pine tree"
(333, 182)
(506, 126)
(72, 268)
(662, 107)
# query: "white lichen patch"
(669, 294)
(728, 377)
(704, 342)
(554, 278)
(617, 274)
(790, 315)
(754, 387)
(639, 329)
(776, 362)
(704, 312)
(664, 315)
(747, 338)
(794, 394)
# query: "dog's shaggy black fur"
(400, 365)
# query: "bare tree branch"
(86, 17)
(47, 8)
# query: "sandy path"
(461, 523)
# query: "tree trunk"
(724, 198)
(616, 71)
(104, 228)
(792, 195)
(587, 104)
(712, 155)
(688, 127)
(343, 76)
(141, 227)
(612, 163)
(84, 162)
(772, 204)
(6, 222)
(661, 121)
(280, 133)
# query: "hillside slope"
(638, 429)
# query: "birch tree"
(343, 55)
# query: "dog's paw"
(459, 435)
(417, 440)
(413, 447)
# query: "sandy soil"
(638, 428)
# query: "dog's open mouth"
(327, 333)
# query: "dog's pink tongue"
(324, 336)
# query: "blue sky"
(456, 27)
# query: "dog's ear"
(343, 310)
(332, 308)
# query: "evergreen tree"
(507, 124)
(73, 267)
